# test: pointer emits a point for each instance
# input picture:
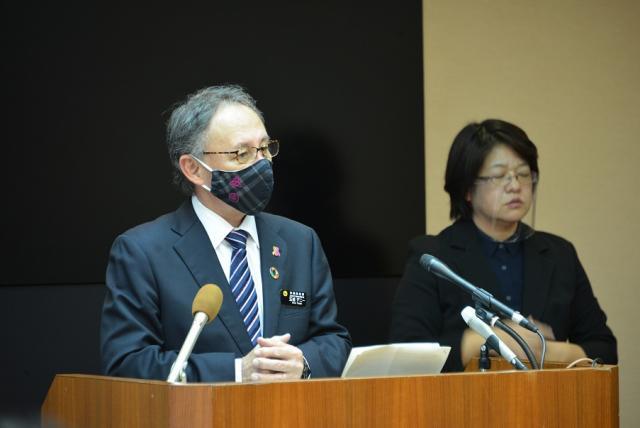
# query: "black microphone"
(205, 308)
(477, 325)
(435, 266)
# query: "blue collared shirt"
(507, 262)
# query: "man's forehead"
(233, 112)
(236, 123)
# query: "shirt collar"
(490, 245)
(218, 228)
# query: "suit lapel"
(273, 257)
(538, 269)
(197, 253)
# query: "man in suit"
(491, 178)
(222, 157)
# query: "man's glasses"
(249, 154)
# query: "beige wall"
(567, 72)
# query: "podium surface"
(578, 397)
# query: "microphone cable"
(492, 319)
(523, 344)
(544, 348)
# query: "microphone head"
(426, 260)
(208, 300)
(468, 313)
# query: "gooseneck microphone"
(435, 266)
(205, 308)
(477, 325)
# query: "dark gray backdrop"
(87, 90)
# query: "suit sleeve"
(329, 343)
(417, 314)
(131, 332)
(588, 321)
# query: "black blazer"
(556, 291)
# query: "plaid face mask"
(248, 190)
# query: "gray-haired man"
(278, 317)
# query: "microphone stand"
(182, 375)
(484, 363)
(488, 317)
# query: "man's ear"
(467, 197)
(192, 170)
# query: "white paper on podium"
(396, 359)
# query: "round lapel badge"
(274, 272)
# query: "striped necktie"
(242, 284)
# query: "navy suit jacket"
(556, 292)
(155, 271)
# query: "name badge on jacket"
(293, 298)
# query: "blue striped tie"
(242, 284)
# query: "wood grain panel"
(580, 397)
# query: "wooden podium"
(578, 397)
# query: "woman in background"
(491, 178)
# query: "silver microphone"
(205, 308)
(479, 326)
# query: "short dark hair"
(190, 119)
(468, 152)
